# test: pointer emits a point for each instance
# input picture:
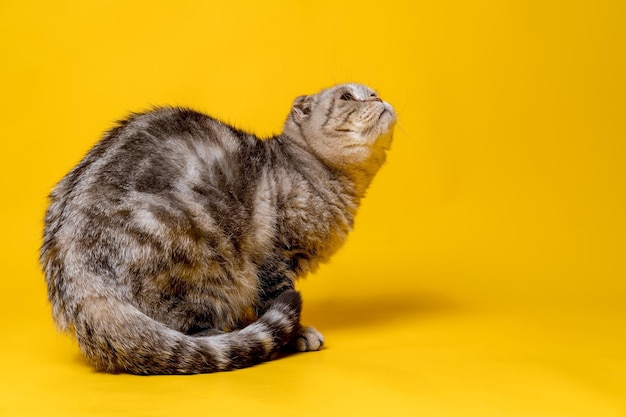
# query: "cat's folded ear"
(301, 108)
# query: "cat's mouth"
(383, 114)
(388, 110)
(385, 121)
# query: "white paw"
(308, 339)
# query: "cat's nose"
(374, 98)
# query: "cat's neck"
(327, 197)
(356, 177)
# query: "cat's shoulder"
(172, 116)
(173, 120)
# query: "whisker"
(403, 130)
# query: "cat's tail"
(116, 337)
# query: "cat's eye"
(346, 97)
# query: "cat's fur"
(173, 247)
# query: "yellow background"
(486, 274)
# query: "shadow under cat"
(345, 313)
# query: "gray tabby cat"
(173, 247)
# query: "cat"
(174, 245)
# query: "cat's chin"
(387, 119)
(382, 133)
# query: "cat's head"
(347, 126)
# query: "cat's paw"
(307, 339)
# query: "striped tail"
(116, 337)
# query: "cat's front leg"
(307, 339)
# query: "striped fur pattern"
(173, 246)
